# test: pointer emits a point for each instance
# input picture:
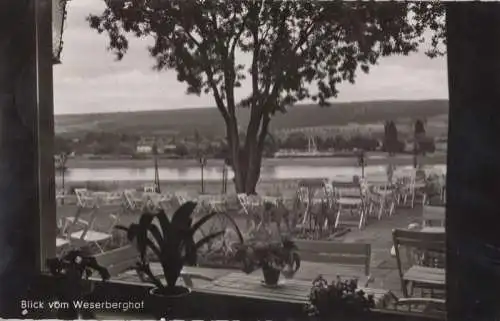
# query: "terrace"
(386, 209)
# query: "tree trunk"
(253, 156)
(246, 161)
(235, 156)
(253, 170)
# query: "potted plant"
(173, 244)
(341, 299)
(274, 258)
(71, 273)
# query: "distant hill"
(209, 122)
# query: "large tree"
(297, 50)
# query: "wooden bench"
(120, 260)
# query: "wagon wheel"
(220, 249)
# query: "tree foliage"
(391, 144)
(297, 50)
(419, 128)
(422, 143)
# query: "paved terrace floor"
(377, 233)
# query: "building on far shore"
(144, 149)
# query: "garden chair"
(309, 195)
(84, 198)
(433, 216)
(133, 202)
(91, 236)
(414, 187)
(84, 201)
(181, 197)
(63, 241)
(349, 200)
(382, 197)
(419, 256)
(251, 205)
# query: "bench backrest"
(432, 215)
(118, 260)
(423, 241)
(349, 254)
(417, 245)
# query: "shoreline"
(372, 159)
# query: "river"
(213, 173)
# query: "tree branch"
(238, 35)
(218, 99)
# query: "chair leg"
(337, 219)
(361, 219)
(381, 209)
(391, 209)
(412, 288)
(404, 288)
(99, 247)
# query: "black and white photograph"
(249, 160)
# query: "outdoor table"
(288, 290)
(270, 199)
(214, 202)
(156, 200)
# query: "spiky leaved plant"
(172, 242)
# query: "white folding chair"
(307, 193)
(416, 188)
(181, 197)
(249, 204)
(349, 199)
(133, 202)
(382, 195)
(89, 235)
(150, 188)
(84, 198)
(84, 201)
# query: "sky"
(90, 80)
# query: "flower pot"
(271, 276)
(168, 302)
